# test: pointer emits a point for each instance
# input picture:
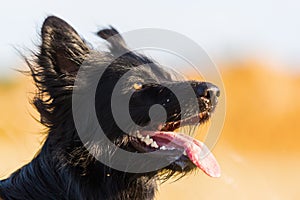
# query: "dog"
(68, 168)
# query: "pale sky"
(225, 29)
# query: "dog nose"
(207, 90)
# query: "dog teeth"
(148, 140)
(163, 148)
(167, 148)
(139, 135)
(184, 153)
(154, 145)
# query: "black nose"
(206, 90)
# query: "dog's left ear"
(62, 48)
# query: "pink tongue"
(197, 151)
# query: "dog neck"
(51, 176)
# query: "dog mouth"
(190, 150)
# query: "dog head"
(154, 110)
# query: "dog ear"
(117, 43)
(62, 48)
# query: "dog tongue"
(197, 151)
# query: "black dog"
(66, 167)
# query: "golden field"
(259, 148)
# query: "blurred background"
(255, 45)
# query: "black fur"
(64, 169)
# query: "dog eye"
(138, 86)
